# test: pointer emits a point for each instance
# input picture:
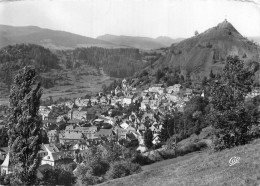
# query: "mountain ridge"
(10, 35)
(140, 42)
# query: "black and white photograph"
(130, 92)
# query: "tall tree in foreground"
(229, 116)
(24, 126)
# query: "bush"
(193, 147)
(86, 176)
(5, 179)
(141, 160)
(170, 143)
(168, 153)
(57, 176)
(123, 168)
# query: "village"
(89, 122)
(124, 115)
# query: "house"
(104, 133)
(170, 89)
(80, 146)
(74, 121)
(49, 121)
(156, 139)
(130, 137)
(53, 136)
(6, 167)
(79, 115)
(141, 128)
(69, 104)
(88, 132)
(126, 101)
(156, 88)
(124, 125)
(188, 92)
(81, 102)
(161, 90)
(71, 137)
(91, 113)
(69, 128)
(176, 88)
(121, 133)
(44, 112)
(172, 97)
(54, 155)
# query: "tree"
(24, 126)
(3, 137)
(148, 138)
(57, 176)
(211, 75)
(51, 100)
(159, 75)
(167, 129)
(124, 168)
(196, 33)
(228, 115)
(104, 88)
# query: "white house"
(5, 167)
(126, 101)
(156, 139)
(124, 125)
(53, 155)
(176, 88)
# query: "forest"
(117, 63)
(14, 57)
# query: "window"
(48, 157)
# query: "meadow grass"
(207, 168)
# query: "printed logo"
(234, 160)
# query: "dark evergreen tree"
(24, 126)
(168, 128)
(211, 74)
(148, 138)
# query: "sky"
(148, 18)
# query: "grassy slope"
(73, 84)
(203, 169)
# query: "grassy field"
(69, 83)
(200, 169)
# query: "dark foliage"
(229, 115)
(118, 63)
(24, 126)
(15, 57)
(57, 176)
(148, 138)
(120, 169)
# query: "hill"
(205, 168)
(198, 55)
(144, 43)
(70, 73)
(10, 35)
